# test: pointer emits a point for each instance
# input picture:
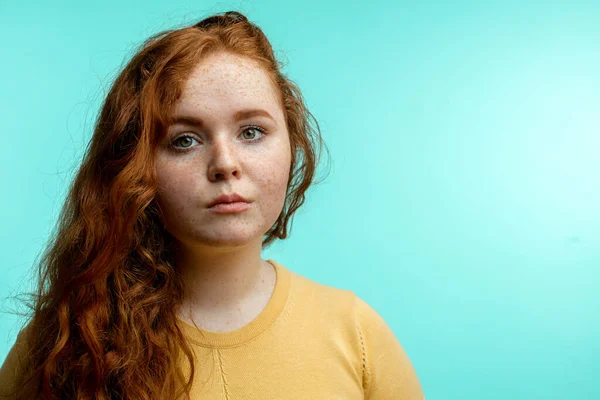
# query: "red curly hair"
(102, 322)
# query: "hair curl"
(103, 324)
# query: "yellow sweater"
(311, 342)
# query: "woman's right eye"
(178, 148)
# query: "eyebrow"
(239, 115)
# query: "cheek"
(176, 179)
(273, 187)
(175, 192)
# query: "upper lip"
(227, 198)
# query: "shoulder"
(338, 302)
(388, 370)
(335, 299)
(323, 298)
(12, 368)
(350, 321)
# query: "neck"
(218, 281)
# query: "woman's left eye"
(249, 128)
(262, 132)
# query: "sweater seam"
(223, 377)
(364, 365)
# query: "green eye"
(189, 137)
(256, 128)
(182, 137)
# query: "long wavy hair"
(102, 322)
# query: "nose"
(223, 159)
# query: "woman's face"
(225, 151)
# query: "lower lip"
(227, 208)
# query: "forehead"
(225, 79)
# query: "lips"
(228, 198)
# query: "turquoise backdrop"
(461, 199)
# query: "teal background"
(462, 199)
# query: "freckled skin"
(227, 282)
(222, 158)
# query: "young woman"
(153, 286)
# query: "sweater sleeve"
(387, 370)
